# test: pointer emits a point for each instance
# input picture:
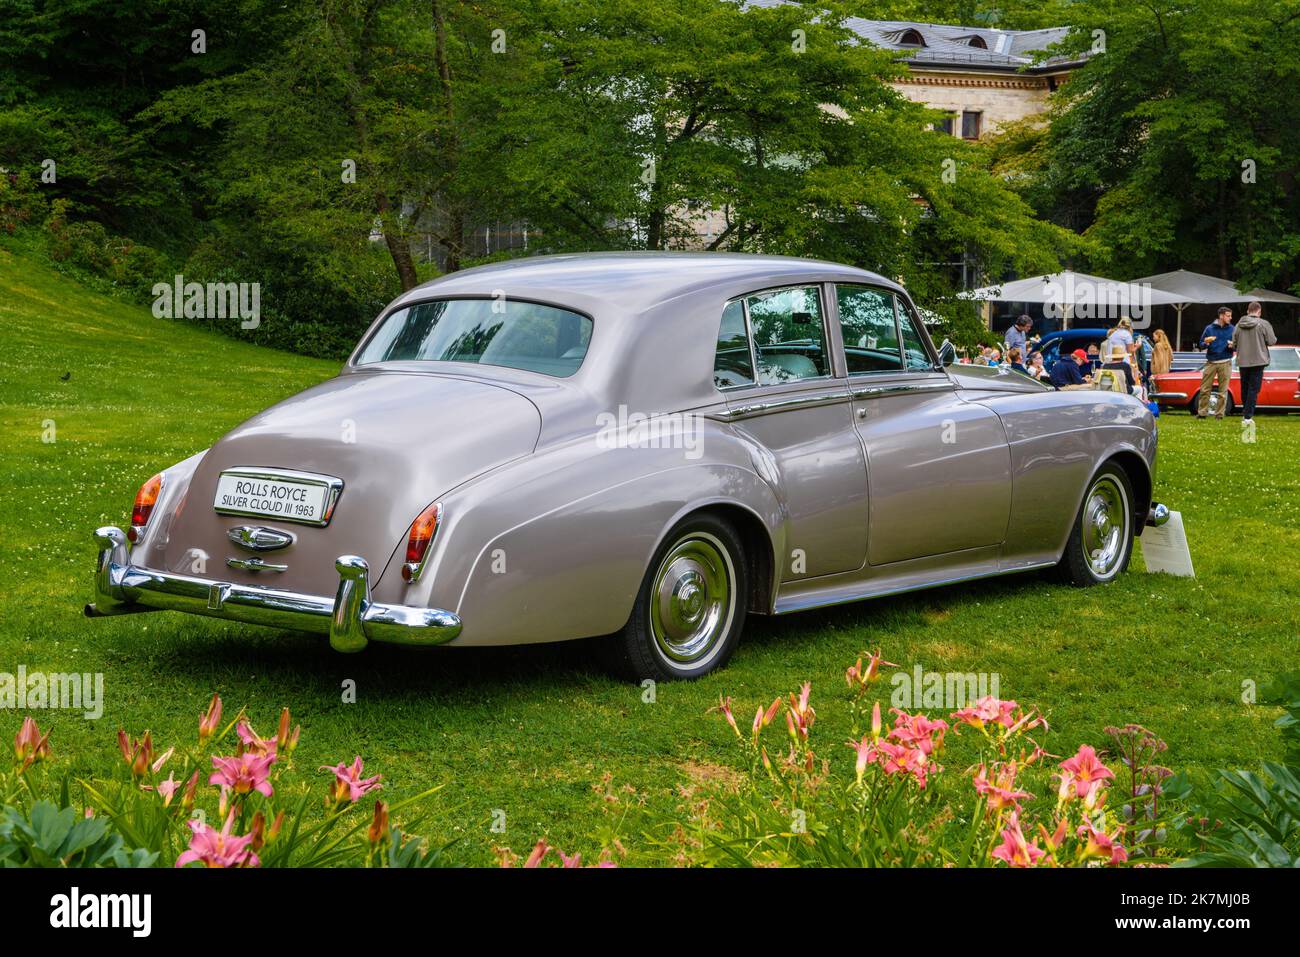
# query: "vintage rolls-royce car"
(641, 446)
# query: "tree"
(1179, 146)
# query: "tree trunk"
(398, 247)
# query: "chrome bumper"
(350, 618)
(1157, 515)
(1168, 396)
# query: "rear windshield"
(493, 332)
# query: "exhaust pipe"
(1158, 515)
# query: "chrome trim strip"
(350, 619)
(779, 405)
(901, 388)
(809, 601)
(255, 564)
(333, 485)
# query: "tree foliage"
(1179, 146)
(325, 148)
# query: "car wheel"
(690, 609)
(1101, 541)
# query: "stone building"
(983, 77)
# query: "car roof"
(632, 282)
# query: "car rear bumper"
(350, 618)
(1169, 396)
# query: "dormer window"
(978, 43)
(911, 38)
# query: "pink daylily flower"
(1102, 845)
(1083, 771)
(349, 785)
(1000, 791)
(218, 849)
(988, 710)
(539, 851)
(899, 759)
(210, 720)
(917, 730)
(866, 754)
(724, 705)
(244, 773)
(29, 745)
(861, 677)
(167, 789)
(1014, 849)
(251, 741)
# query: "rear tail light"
(145, 500)
(423, 529)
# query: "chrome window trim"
(902, 388)
(333, 486)
(780, 404)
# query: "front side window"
(869, 329)
(494, 332)
(789, 338)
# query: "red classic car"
(1281, 389)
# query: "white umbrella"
(1195, 287)
(1073, 293)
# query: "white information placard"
(1164, 547)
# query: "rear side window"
(789, 338)
(494, 332)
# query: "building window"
(978, 43)
(970, 125)
(911, 38)
(944, 125)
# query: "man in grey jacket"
(1251, 341)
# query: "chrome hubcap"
(693, 598)
(1105, 526)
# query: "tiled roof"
(950, 46)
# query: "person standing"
(1217, 341)
(1143, 354)
(1018, 335)
(1162, 353)
(1254, 335)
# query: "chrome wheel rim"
(1105, 526)
(692, 599)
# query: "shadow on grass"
(201, 652)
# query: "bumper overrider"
(351, 618)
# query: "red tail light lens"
(145, 500)
(423, 529)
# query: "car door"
(775, 367)
(1281, 379)
(938, 467)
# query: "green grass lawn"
(533, 731)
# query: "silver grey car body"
(845, 484)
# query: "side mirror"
(947, 354)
